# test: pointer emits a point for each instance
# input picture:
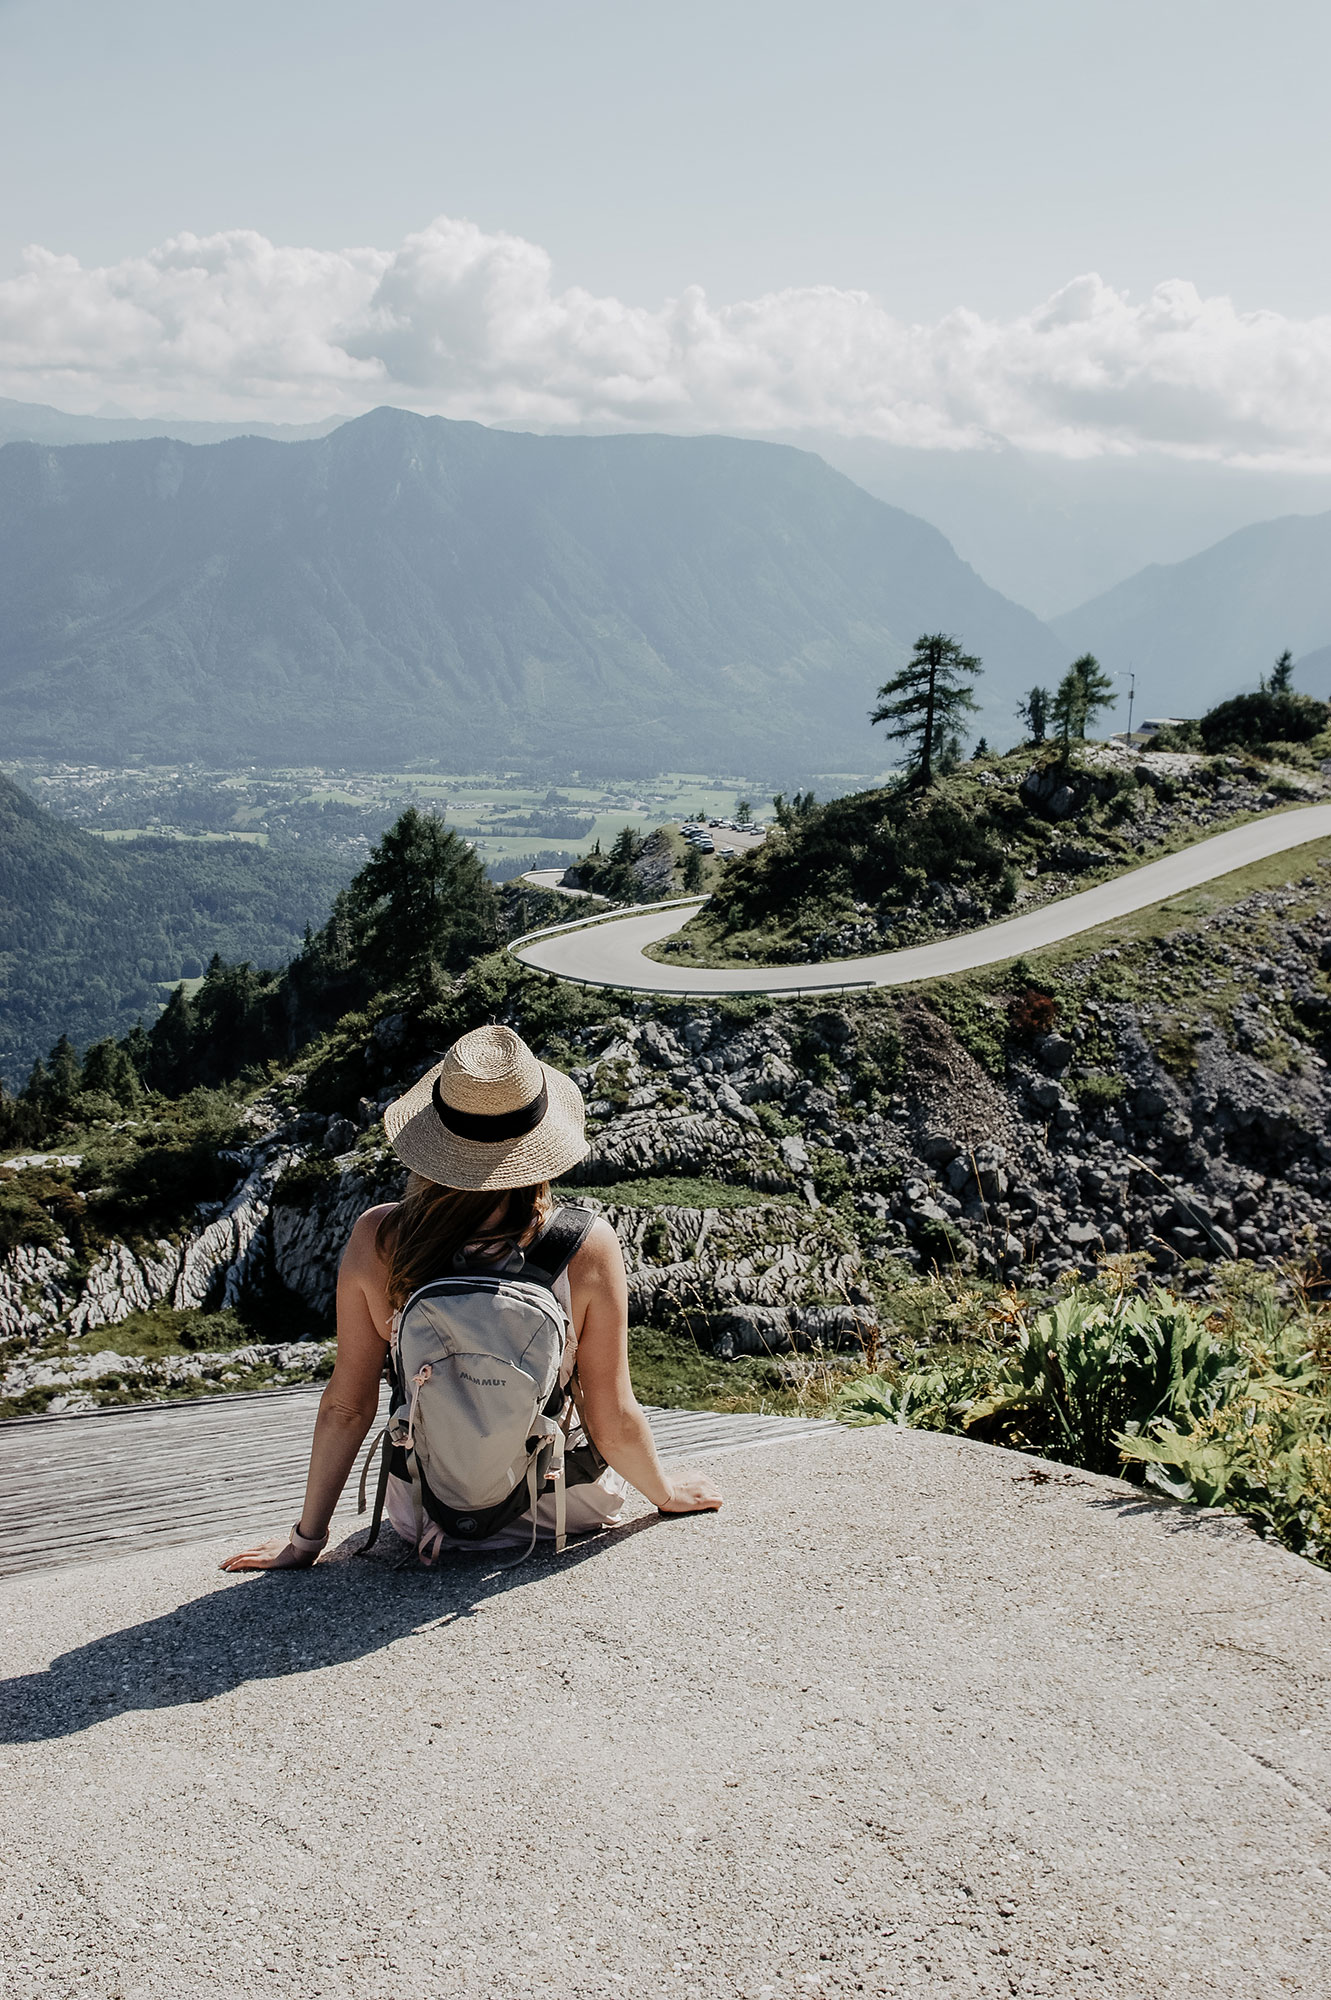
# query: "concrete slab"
(910, 1716)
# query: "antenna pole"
(1130, 675)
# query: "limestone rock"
(120, 1283)
(223, 1252)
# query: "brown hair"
(419, 1238)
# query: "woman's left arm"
(348, 1405)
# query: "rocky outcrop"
(698, 1262)
(121, 1282)
(229, 1249)
(34, 1289)
(136, 1377)
(309, 1230)
(1180, 1108)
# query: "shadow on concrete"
(268, 1625)
(1180, 1517)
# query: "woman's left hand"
(272, 1555)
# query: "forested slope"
(88, 931)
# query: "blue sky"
(878, 169)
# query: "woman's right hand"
(691, 1493)
(272, 1555)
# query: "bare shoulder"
(598, 1252)
(362, 1249)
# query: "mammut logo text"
(482, 1381)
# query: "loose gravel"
(910, 1716)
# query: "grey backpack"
(480, 1370)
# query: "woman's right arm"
(348, 1405)
(613, 1415)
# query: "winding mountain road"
(610, 952)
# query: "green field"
(504, 814)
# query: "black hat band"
(486, 1130)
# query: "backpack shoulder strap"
(558, 1243)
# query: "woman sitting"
(484, 1133)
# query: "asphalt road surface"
(610, 953)
(911, 1716)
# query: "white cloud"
(470, 325)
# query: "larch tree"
(1033, 714)
(1084, 692)
(927, 701)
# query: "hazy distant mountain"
(407, 588)
(1313, 673)
(39, 423)
(1051, 532)
(1201, 630)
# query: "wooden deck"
(82, 1488)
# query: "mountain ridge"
(1208, 627)
(410, 587)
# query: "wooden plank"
(90, 1486)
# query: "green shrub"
(941, 1244)
(1269, 715)
(830, 1175)
(303, 1182)
(1265, 1451)
(156, 1188)
(1098, 1092)
(23, 1220)
(655, 1191)
(163, 1330)
(1093, 1369)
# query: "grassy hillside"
(879, 870)
(408, 588)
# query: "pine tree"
(108, 1071)
(138, 1049)
(422, 896)
(66, 1075)
(1084, 692)
(1033, 714)
(926, 702)
(172, 1040)
(1282, 674)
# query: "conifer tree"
(108, 1070)
(1084, 692)
(422, 897)
(1033, 714)
(66, 1075)
(926, 701)
(1282, 674)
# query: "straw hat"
(489, 1116)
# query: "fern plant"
(1265, 1451)
(1094, 1368)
